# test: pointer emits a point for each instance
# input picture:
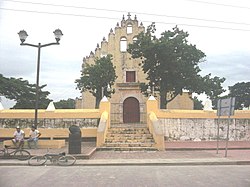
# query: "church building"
(127, 103)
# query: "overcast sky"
(220, 28)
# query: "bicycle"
(60, 158)
(20, 154)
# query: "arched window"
(123, 44)
(134, 39)
(129, 29)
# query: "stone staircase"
(129, 139)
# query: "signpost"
(225, 107)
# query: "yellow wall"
(152, 106)
(49, 133)
(95, 113)
(166, 113)
(58, 113)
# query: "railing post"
(105, 106)
(151, 106)
(104, 124)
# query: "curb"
(204, 149)
(175, 163)
(168, 164)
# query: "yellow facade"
(154, 121)
(118, 39)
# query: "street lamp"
(23, 35)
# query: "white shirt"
(34, 134)
(19, 135)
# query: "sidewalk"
(177, 153)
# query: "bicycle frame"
(6, 152)
(61, 159)
(20, 154)
(53, 157)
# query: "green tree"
(241, 92)
(23, 93)
(171, 64)
(197, 104)
(65, 104)
(96, 77)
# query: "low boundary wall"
(176, 124)
(200, 125)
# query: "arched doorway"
(131, 110)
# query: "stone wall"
(205, 129)
(49, 123)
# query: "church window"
(134, 39)
(123, 44)
(129, 29)
(130, 76)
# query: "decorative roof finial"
(111, 30)
(97, 46)
(141, 24)
(117, 24)
(104, 39)
(129, 15)
(135, 17)
(123, 18)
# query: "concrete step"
(134, 136)
(129, 138)
(129, 130)
(128, 125)
(129, 144)
(129, 141)
(127, 149)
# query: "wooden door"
(131, 110)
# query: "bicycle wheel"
(37, 160)
(67, 160)
(22, 154)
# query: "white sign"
(225, 107)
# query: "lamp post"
(23, 35)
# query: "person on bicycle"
(33, 136)
(18, 140)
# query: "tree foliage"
(23, 93)
(241, 91)
(172, 64)
(96, 77)
(65, 104)
(197, 104)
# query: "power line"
(205, 26)
(102, 17)
(57, 13)
(218, 4)
(122, 11)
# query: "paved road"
(131, 176)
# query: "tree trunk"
(97, 102)
(98, 98)
(163, 100)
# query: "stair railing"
(102, 129)
(156, 130)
